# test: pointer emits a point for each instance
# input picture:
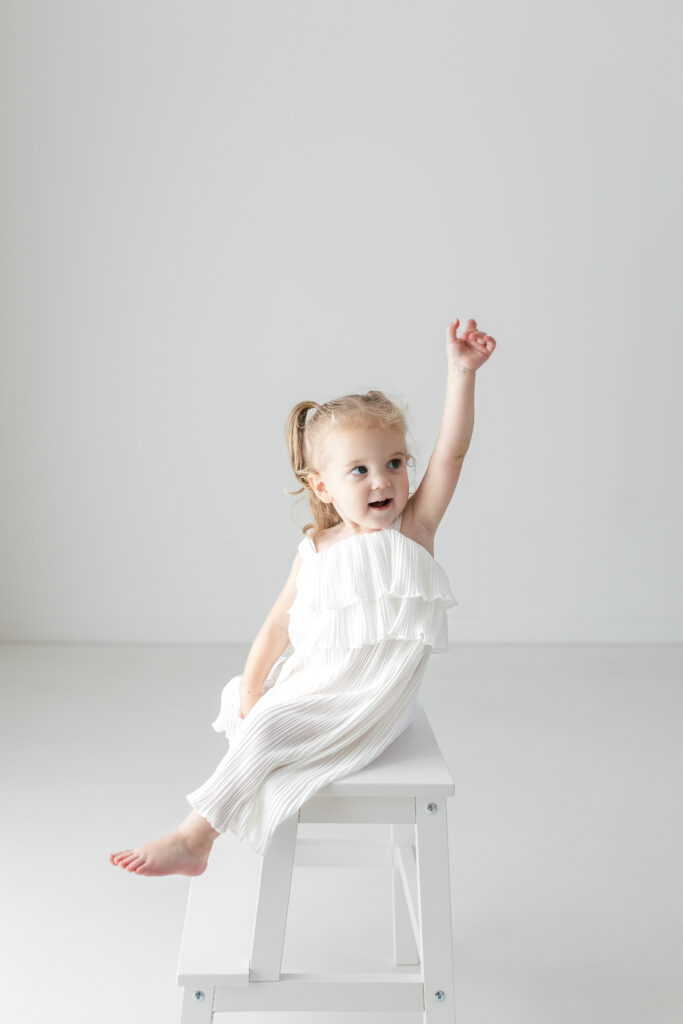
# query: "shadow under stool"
(234, 935)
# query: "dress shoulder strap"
(306, 548)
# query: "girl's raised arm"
(465, 356)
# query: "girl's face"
(364, 475)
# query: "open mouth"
(380, 504)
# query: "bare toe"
(135, 863)
(116, 857)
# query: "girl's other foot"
(185, 851)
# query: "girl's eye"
(362, 470)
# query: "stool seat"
(233, 939)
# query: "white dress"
(368, 612)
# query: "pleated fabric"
(368, 613)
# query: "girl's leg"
(185, 851)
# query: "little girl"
(332, 676)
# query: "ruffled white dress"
(369, 610)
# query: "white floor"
(566, 836)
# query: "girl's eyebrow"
(361, 462)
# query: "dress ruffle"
(371, 587)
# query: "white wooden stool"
(234, 935)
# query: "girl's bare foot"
(185, 851)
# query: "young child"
(332, 676)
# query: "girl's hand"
(470, 351)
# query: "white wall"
(213, 210)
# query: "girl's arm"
(269, 643)
(465, 355)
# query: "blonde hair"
(305, 436)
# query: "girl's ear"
(319, 488)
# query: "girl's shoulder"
(327, 538)
(309, 548)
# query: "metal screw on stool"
(199, 996)
(439, 996)
(431, 808)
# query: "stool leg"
(273, 902)
(434, 898)
(405, 947)
(197, 1006)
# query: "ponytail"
(324, 513)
